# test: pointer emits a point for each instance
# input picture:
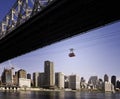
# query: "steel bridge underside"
(61, 19)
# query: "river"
(57, 95)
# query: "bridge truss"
(20, 12)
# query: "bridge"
(33, 24)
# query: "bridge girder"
(19, 13)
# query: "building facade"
(59, 80)
(22, 73)
(23, 82)
(66, 81)
(93, 82)
(36, 81)
(41, 80)
(74, 82)
(113, 81)
(28, 76)
(7, 77)
(108, 87)
(49, 74)
(106, 78)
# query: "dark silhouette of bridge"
(59, 20)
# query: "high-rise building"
(108, 87)
(83, 85)
(41, 80)
(16, 78)
(28, 76)
(19, 74)
(0, 82)
(93, 82)
(74, 82)
(24, 82)
(59, 80)
(106, 78)
(66, 81)
(7, 77)
(36, 81)
(100, 84)
(113, 80)
(49, 74)
(22, 73)
(118, 84)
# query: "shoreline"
(54, 90)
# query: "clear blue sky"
(97, 52)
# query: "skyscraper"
(7, 77)
(41, 79)
(74, 82)
(93, 82)
(22, 73)
(28, 76)
(113, 80)
(82, 83)
(108, 87)
(106, 78)
(66, 81)
(36, 79)
(22, 78)
(118, 84)
(16, 78)
(59, 80)
(49, 74)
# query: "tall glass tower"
(49, 74)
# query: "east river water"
(57, 95)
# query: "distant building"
(106, 78)
(49, 74)
(22, 73)
(100, 85)
(118, 84)
(16, 79)
(36, 81)
(24, 82)
(108, 87)
(28, 76)
(0, 83)
(93, 82)
(83, 85)
(66, 81)
(59, 80)
(113, 80)
(7, 77)
(19, 74)
(74, 82)
(41, 80)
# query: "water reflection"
(57, 95)
(112, 96)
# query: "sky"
(97, 52)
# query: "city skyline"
(97, 52)
(105, 77)
(50, 80)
